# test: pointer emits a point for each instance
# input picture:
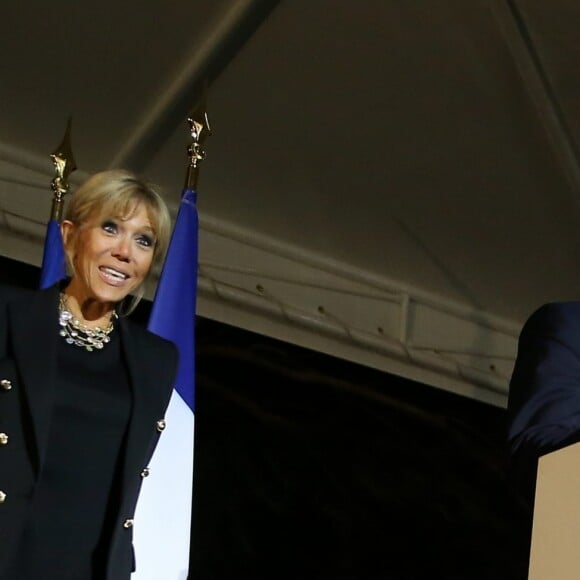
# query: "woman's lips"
(113, 276)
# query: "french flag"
(163, 515)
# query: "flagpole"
(64, 164)
(162, 529)
(53, 260)
(200, 130)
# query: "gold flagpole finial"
(200, 130)
(64, 165)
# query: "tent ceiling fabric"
(396, 183)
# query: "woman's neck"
(89, 311)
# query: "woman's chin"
(112, 294)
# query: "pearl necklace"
(79, 334)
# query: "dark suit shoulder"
(572, 306)
(551, 336)
(555, 319)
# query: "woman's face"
(111, 256)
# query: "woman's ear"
(66, 230)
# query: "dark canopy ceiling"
(396, 183)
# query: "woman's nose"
(122, 250)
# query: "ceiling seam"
(543, 96)
(208, 57)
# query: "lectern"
(555, 550)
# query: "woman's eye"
(109, 226)
(145, 241)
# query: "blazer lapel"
(34, 332)
(145, 403)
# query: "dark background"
(307, 466)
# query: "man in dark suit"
(544, 397)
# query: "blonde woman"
(83, 392)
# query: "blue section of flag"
(53, 261)
(173, 313)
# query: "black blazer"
(28, 342)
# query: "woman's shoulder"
(149, 339)
(10, 293)
(158, 357)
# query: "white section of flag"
(161, 532)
